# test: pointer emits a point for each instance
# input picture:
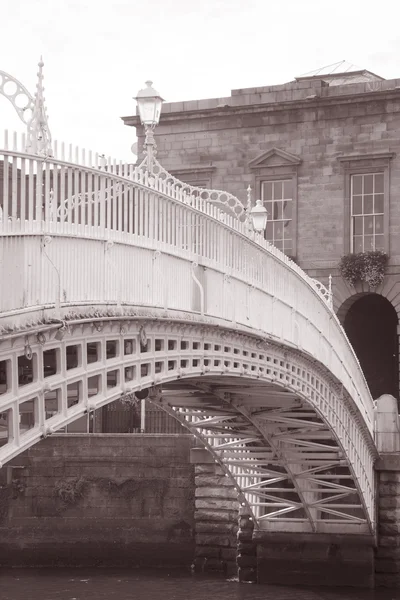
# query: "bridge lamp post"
(149, 104)
(259, 217)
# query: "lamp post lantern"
(259, 216)
(149, 104)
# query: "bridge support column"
(216, 516)
(387, 563)
(247, 549)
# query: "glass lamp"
(259, 216)
(149, 104)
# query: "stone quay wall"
(99, 500)
(387, 467)
(156, 500)
(387, 560)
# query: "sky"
(97, 54)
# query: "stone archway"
(371, 322)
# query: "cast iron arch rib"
(282, 417)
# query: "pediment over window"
(275, 157)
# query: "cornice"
(203, 169)
(314, 102)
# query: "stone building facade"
(323, 153)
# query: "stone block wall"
(101, 500)
(387, 560)
(387, 467)
(246, 549)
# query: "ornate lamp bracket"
(150, 149)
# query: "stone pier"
(387, 561)
(216, 516)
(246, 549)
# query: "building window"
(367, 212)
(275, 178)
(277, 197)
(366, 201)
(196, 176)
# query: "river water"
(67, 584)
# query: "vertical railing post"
(5, 212)
(142, 416)
(102, 197)
(39, 193)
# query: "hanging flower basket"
(364, 266)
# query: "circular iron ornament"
(22, 101)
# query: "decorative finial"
(249, 198)
(38, 134)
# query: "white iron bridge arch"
(114, 281)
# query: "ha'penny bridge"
(116, 279)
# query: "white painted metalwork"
(247, 281)
(18, 95)
(326, 292)
(149, 103)
(229, 203)
(92, 250)
(30, 110)
(38, 134)
(269, 414)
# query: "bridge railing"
(95, 200)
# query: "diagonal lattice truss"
(286, 463)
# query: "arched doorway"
(371, 325)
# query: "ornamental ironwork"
(31, 110)
(192, 195)
(281, 426)
(21, 99)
